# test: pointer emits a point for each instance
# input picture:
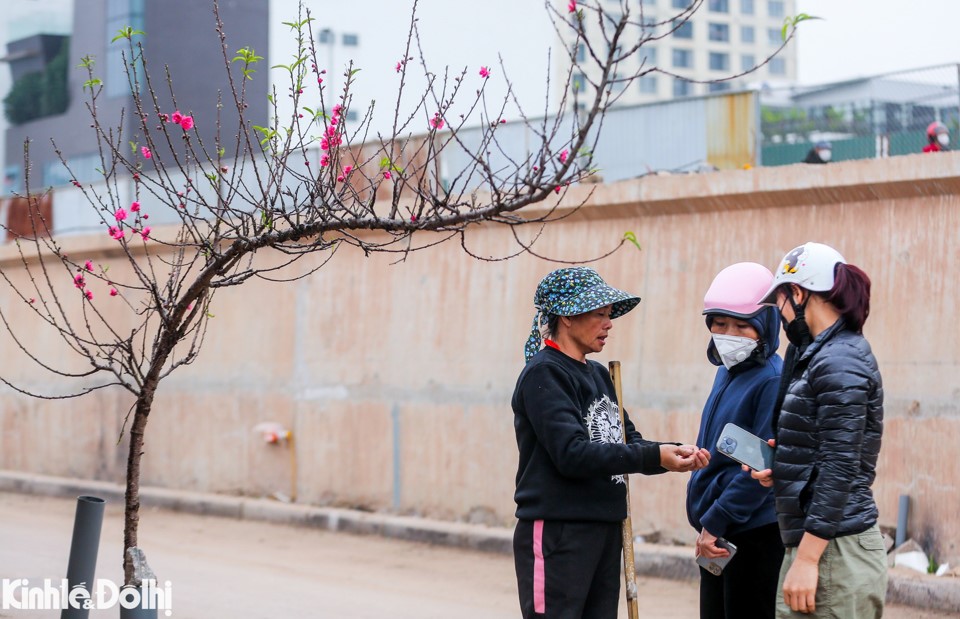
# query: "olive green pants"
(852, 582)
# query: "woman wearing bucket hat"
(828, 421)
(722, 500)
(570, 486)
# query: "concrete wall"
(396, 376)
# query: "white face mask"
(944, 139)
(825, 154)
(733, 349)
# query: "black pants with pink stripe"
(568, 569)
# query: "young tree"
(308, 183)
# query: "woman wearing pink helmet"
(828, 422)
(722, 500)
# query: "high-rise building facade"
(177, 35)
(719, 39)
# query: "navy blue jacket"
(721, 497)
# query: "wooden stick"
(629, 568)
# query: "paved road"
(250, 570)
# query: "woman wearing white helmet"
(829, 422)
(722, 500)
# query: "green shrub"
(40, 94)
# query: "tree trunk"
(131, 512)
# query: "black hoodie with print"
(572, 456)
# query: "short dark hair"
(553, 324)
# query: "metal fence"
(878, 116)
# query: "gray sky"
(864, 37)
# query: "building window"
(647, 56)
(351, 40)
(720, 87)
(681, 87)
(746, 7)
(778, 66)
(683, 58)
(352, 116)
(747, 62)
(617, 83)
(581, 52)
(718, 32)
(325, 37)
(12, 179)
(681, 4)
(747, 34)
(774, 36)
(775, 8)
(719, 62)
(648, 84)
(83, 167)
(120, 14)
(719, 6)
(684, 30)
(579, 82)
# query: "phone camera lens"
(728, 444)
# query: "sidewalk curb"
(652, 560)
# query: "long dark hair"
(850, 295)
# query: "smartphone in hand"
(745, 448)
(715, 566)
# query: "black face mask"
(797, 330)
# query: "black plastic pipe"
(82, 565)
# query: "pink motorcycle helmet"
(737, 290)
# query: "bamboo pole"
(629, 568)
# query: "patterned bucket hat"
(569, 292)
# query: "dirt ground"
(252, 570)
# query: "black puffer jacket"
(828, 438)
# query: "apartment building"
(700, 41)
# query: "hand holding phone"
(715, 566)
(745, 448)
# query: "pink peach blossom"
(176, 117)
(88, 265)
(386, 175)
(115, 233)
(89, 295)
(79, 281)
(120, 214)
(187, 123)
(135, 207)
(563, 156)
(484, 72)
(145, 233)
(572, 7)
(146, 152)
(113, 292)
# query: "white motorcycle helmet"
(809, 266)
